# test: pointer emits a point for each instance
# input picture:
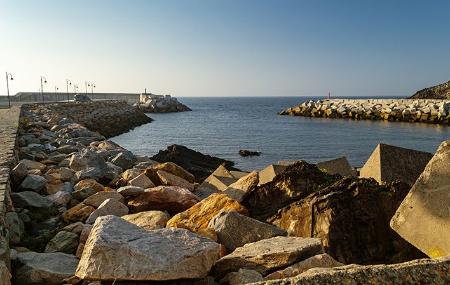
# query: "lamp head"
(11, 78)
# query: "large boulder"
(78, 213)
(423, 218)
(141, 181)
(98, 198)
(268, 255)
(352, 219)
(86, 158)
(124, 159)
(149, 220)
(86, 188)
(165, 198)
(33, 183)
(389, 163)
(169, 179)
(422, 271)
(295, 182)
(30, 199)
(321, 260)
(241, 188)
(108, 207)
(44, 268)
(198, 216)
(63, 241)
(163, 254)
(175, 170)
(200, 165)
(235, 230)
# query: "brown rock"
(77, 213)
(198, 216)
(99, 197)
(165, 198)
(141, 181)
(149, 220)
(175, 170)
(241, 188)
(169, 179)
(296, 182)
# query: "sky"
(227, 48)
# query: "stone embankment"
(87, 211)
(109, 118)
(399, 110)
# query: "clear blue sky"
(227, 48)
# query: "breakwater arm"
(400, 110)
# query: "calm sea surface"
(222, 126)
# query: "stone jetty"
(152, 103)
(80, 209)
(398, 110)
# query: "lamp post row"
(9, 77)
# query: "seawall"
(109, 118)
(433, 111)
(9, 121)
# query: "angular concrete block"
(423, 218)
(388, 163)
(268, 174)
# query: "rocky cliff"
(441, 91)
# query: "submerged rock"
(163, 254)
(245, 152)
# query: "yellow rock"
(175, 170)
(197, 217)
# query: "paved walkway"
(9, 121)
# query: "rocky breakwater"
(401, 110)
(109, 118)
(151, 103)
(87, 211)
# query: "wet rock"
(29, 199)
(108, 207)
(141, 181)
(235, 230)
(98, 198)
(296, 182)
(245, 152)
(78, 213)
(33, 183)
(321, 260)
(128, 191)
(175, 170)
(113, 240)
(169, 179)
(165, 198)
(63, 241)
(198, 216)
(149, 220)
(241, 188)
(200, 165)
(44, 268)
(353, 210)
(269, 254)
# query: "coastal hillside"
(441, 91)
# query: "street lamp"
(75, 88)
(56, 90)
(92, 89)
(68, 82)
(43, 81)
(8, 77)
(86, 85)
